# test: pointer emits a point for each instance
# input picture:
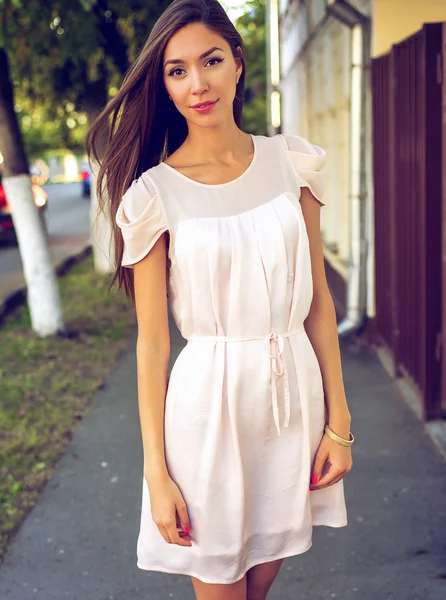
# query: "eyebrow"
(178, 61)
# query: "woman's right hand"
(169, 511)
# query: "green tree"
(42, 290)
(66, 56)
(251, 26)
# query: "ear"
(238, 62)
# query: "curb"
(435, 429)
(18, 297)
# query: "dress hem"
(286, 554)
(343, 523)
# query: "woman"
(237, 465)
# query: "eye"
(171, 74)
(216, 58)
(174, 72)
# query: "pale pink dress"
(241, 427)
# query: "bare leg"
(219, 591)
(260, 578)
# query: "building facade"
(320, 57)
(314, 53)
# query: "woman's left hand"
(339, 463)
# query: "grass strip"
(46, 386)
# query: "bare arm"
(168, 507)
(152, 355)
(321, 326)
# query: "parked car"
(85, 174)
(7, 232)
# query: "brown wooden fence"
(409, 143)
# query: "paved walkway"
(79, 542)
(62, 249)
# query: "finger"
(328, 485)
(331, 471)
(318, 465)
(336, 480)
(181, 532)
(342, 472)
(328, 479)
(183, 516)
(164, 533)
(185, 537)
(175, 537)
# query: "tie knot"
(274, 344)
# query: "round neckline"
(217, 185)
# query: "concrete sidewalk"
(79, 543)
(63, 251)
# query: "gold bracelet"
(337, 438)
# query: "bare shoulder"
(178, 159)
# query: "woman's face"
(199, 67)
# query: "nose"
(199, 84)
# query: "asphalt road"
(67, 215)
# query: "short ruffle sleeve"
(142, 221)
(308, 162)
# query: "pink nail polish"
(314, 479)
(187, 529)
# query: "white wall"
(315, 104)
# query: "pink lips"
(204, 107)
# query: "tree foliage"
(61, 49)
(251, 26)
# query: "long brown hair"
(141, 125)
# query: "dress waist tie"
(274, 344)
